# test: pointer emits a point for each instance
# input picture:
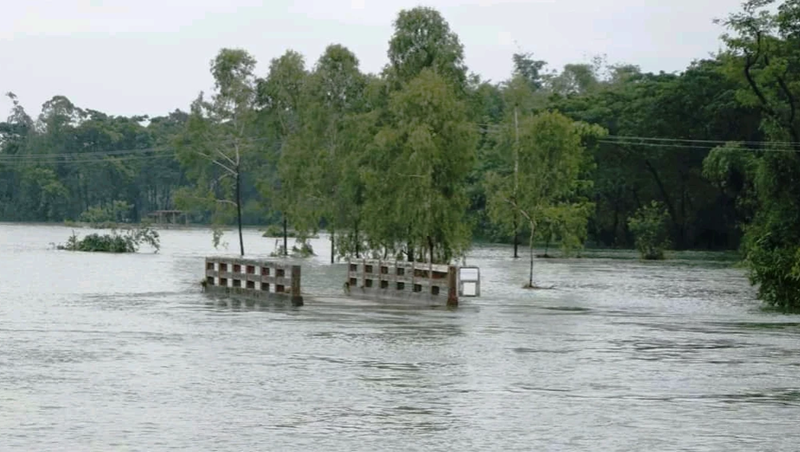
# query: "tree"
(322, 147)
(279, 99)
(218, 137)
(546, 182)
(415, 185)
(529, 69)
(649, 226)
(574, 79)
(519, 97)
(763, 54)
(14, 135)
(422, 39)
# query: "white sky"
(151, 56)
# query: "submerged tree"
(546, 184)
(323, 146)
(649, 227)
(218, 140)
(279, 101)
(416, 180)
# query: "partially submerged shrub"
(116, 242)
(649, 226)
(304, 250)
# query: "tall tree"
(218, 139)
(547, 184)
(764, 55)
(15, 133)
(279, 101)
(416, 184)
(423, 39)
(332, 94)
(529, 69)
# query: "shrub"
(105, 216)
(116, 242)
(649, 226)
(275, 230)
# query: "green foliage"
(216, 237)
(116, 212)
(416, 179)
(42, 192)
(566, 226)
(279, 102)
(302, 248)
(274, 230)
(763, 48)
(216, 147)
(116, 242)
(422, 39)
(540, 179)
(529, 69)
(649, 227)
(318, 162)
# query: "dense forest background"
(68, 159)
(715, 145)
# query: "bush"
(305, 249)
(105, 216)
(275, 230)
(649, 226)
(116, 242)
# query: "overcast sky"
(151, 56)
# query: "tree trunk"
(664, 194)
(516, 237)
(530, 275)
(239, 209)
(615, 237)
(333, 243)
(356, 239)
(547, 245)
(285, 237)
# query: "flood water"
(124, 353)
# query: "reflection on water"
(123, 352)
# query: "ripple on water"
(125, 353)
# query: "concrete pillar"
(452, 286)
(297, 298)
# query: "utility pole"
(516, 180)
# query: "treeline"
(424, 156)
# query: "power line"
(505, 127)
(694, 147)
(717, 142)
(85, 154)
(683, 143)
(82, 157)
(89, 160)
(133, 150)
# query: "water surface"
(123, 352)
